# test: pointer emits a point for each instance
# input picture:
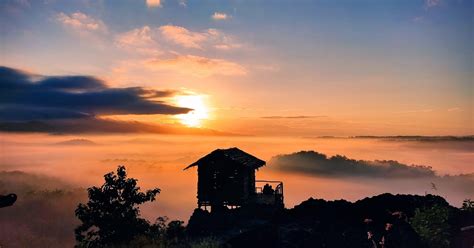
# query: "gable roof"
(234, 154)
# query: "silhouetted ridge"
(317, 222)
(7, 200)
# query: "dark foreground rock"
(320, 223)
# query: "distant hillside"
(467, 138)
(315, 163)
(77, 142)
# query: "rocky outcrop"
(7, 200)
(316, 222)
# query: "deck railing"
(274, 197)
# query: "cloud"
(219, 16)
(139, 40)
(76, 142)
(314, 163)
(198, 40)
(81, 23)
(222, 41)
(455, 109)
(73, 97)
(85, 125)
(197, 66)
(417, 138)
(432, 3)
(159, 49)
(137, 36)
(153, 3)
(293, 117)
(414, 111)
(82, 104)
(148, 40)
(377, 176)
(183, 36)
(182, 3)
(93, 125)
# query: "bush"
(432, 224)
(208, 242)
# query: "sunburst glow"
(199, 113)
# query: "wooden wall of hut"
(224, 183)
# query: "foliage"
(163, 242)
(432, 224)
(468, 205)
(163, 233)
(171, 235)
(175, 230)
(111, 216)
(208, 242)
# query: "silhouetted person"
(371, 237)
(408, 238)
(7, 200)
(390, 238)
(371, 241)
(267, 189)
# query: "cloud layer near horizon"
(74, 103)
(379, 176)
(314, 163)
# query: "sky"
(293, 68)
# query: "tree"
(175, 230)
(111, 216)
(432, 224)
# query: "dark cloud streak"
(94, 125)
(64, 97)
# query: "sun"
(199, 113)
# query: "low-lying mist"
(43, 215)
(50, 173)
(378, 175)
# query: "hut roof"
(234, 154)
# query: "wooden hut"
(226, 177)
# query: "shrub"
(432, 224)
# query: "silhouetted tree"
(175, 230)
(111, 216)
